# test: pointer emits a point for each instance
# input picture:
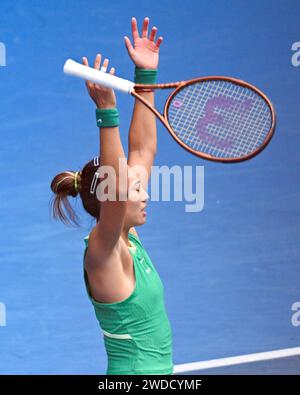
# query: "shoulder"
(99, 248)
(131, 230)
(97, 253)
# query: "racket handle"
(99, 77)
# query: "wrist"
(146, 68)
(107, 117)
(145, 76)
(105, 106)
(145, 92)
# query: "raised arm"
(106, 233)
(142, 140)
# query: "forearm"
(111, 150)
(142, 132)
(111, 147)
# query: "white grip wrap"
(99, 77)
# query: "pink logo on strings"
(177, 103)
(214, 118)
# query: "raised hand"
(102, 96)
(144, 52)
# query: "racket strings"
(220, 118)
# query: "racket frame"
(183, 84)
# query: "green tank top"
(137, 332)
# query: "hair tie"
(75, 181)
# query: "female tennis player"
(121, 281)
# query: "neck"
(124, 235)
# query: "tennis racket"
(221, 119)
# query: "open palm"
(145, 52)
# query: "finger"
(152, 34)
(85, 61)
(159, 41)
(97, 61)
(112, 71)
(104, 66)
(135, 33)
(145, 28)
(88, 83)
(129, 46)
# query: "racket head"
(222, 119)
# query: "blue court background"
(231, 271)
